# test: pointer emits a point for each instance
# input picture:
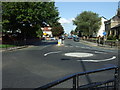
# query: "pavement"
(100, 46)
(14, 48)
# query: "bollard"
(59, 42)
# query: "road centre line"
(98, 60)
(51, 53)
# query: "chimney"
(118, 11)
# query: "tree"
(57, 29)
(88, 23)
(26, 16)
(73, 32)
(39, 33)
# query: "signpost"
(104, 34)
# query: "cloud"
(65, 21)
(67, 24)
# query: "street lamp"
(24, 34)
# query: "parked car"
(63, 37)
(52, 38)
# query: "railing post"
(116, 80)
(75, 82)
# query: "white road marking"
(51, 53)
(84, 47)
(99, 60)
(77, 54)
(100, 52)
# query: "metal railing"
(75, 80)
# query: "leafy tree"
(88, 23)
(39, 33)
(57, 29)
(26, 16)
(73, 32)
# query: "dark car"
(63, 37)
(76, 39)
(69, 37)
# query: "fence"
(13, 44)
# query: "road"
(45, 62)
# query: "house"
(116, 31)
(110, 26)
(102, 27)
(47, 31)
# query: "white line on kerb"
(99, 60)
(51, 53)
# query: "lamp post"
(24, 34)
(19, 32)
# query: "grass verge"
(6, 45)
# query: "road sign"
(104, 33)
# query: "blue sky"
(69, 10)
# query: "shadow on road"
(84, 70)
(42, 43)
(63, 59)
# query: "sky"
(69, 10)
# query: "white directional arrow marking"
(51, 53)
(99, 60)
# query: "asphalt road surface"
(45, 62)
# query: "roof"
(104, 17)
(47, 29)
(114, 18)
